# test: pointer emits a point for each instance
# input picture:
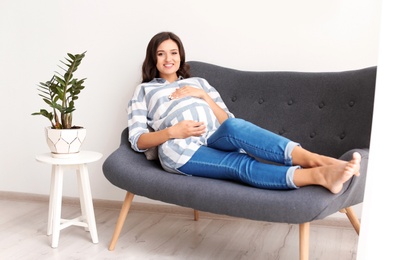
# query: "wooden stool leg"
(196, 215)
(51, 206)
(81, 197)
(56, 201)
(304, 230)
(353, 218)
(86, 201)
(120, 221)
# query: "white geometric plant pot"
(65, 143)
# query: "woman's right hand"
(181, 130)
(186, 129)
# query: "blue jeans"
(223, 158)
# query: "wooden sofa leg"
(196, 215)
(353, 218)
(304, 230)
(120, 221)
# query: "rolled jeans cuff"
(288, 152)
(289, 177)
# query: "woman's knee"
(232, 123)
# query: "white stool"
(87, 219)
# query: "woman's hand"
(181, 130)
(188, 91)
(186, 129)
(200, 93)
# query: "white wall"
(380, 206)
(307, 35)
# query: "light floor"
(163, 234)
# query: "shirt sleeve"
(137, 117)
(213, 93)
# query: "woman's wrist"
(169, 133)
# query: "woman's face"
(168, 60)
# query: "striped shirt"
(151, 108)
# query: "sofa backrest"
(326, 112)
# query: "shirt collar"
(162, 80)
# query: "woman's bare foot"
(332, 177)
(307, 159)
(336, 176)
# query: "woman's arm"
(217, 110)
(200, 93)
(181, 130)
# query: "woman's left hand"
(186, 91)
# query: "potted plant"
(60, 94)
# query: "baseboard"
(151, 208)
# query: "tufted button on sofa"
(326, 112)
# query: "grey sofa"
(326, 112)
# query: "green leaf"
(71, 56)
(60, 81)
